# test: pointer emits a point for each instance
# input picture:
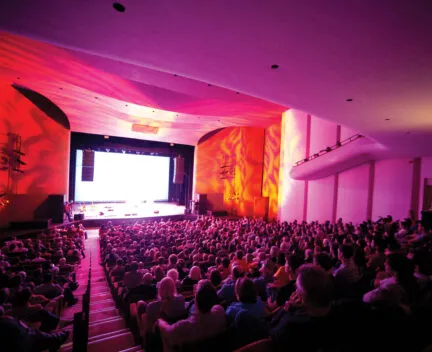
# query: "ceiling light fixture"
(274, 67)
(387, 119)
(349, 100)
(119, 7)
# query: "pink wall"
(426, 172)
(323, 135)
(392, 191)
(353, 194)
(293, 148)
(320, 199)
(347, 132)
(370, 190)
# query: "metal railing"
(329, 149)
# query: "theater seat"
(264, 345)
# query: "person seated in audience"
(16, 336)
(118, 270)
(169, 304)
(132, 278)
(348, 274)
(146, 291)
(240, 261)
(227, 291)
(215, 278)
(402, 287)
(22, 309)
(208, 321)
(247, 300)
(224, 268)
(309, 318)
(192, 279)
(51, 290)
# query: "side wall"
(46, 145)
(371, 190)
(229, 169)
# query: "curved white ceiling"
(377, 53)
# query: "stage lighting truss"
(11, 154)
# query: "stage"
(96, 214)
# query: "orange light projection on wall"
(271, 168)
(46, 147)
(229, 168)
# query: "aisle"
(107, 328)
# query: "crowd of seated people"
(304, 286)
(37, 280)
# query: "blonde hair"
(173, 274)
(166, 288)
(195, 273)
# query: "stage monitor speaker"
(55, 204)
(178, 170)
(427, 220)
(78, 217)
(87, 173)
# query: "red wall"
(241, 147)
(271, 168)
(46, 145)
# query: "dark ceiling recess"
(119, 7)
(44, 104)
(387, 119)
(274, 67)
(349, 100)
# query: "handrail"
(329, 149)
(81, 320)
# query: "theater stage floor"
(114, 211)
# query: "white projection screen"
(123, 177)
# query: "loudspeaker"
(78, 217)
(178, 170)
(87, 172)
(427, 220)
(55, 204)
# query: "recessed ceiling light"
(153, 111)
(61, 88)
(119, 7)
(96, 98)
(274, 67)
(237, 93)
(175, 75)
(387, 119)
(209, 85)
(349, 100)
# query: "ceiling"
(163, 55)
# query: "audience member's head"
(245, 290)
(205, 296)
(315, 286)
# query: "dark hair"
(347, 251)
(206, 296)
(21, 297)
(133, 266)
(294, 261)
(237, 272)
(225, 262)
(404, 269)
(239, 255)
(215, 278)
(324, 260)
(245, 290)
(47, 278)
